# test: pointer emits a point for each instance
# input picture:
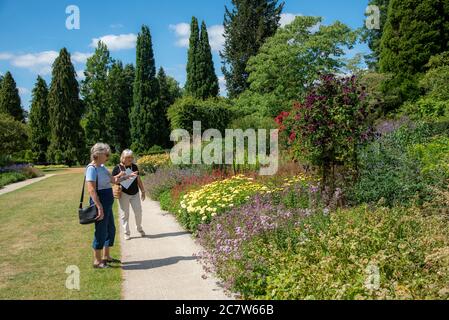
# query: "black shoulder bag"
(88, 215)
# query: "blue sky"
(32, 32)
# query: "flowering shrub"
(151, 163)
(327, 127)
(352, 254)
(224, 236)
(199, 206)
(166, 179)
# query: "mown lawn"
(40, 237)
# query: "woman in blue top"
(103, 198)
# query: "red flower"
(292, 136)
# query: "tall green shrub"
(9, 98)
(67, 144)
(145, 130)
(39, 120)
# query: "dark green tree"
(209, 87)
(247, 26)
(39, 120)
(120, 98)
(10, 99)
(415, 31)
(169, 92)
(67, 144)
(373, 36)
(95, 95)
(193, 82)
(145, 131)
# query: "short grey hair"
(126, 153)
(99, 148)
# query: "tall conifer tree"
(39, 120)
(415, 31)
(145, 130)
(193, 76)
(209, 81)
(10, 99)
(67, 143)
(247, 26)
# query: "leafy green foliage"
(213, 113)
(392, 170)
(119, 100)
(9, 98)
(39, 120)
(415, 31)
(374, 36)
(247, 26)
(426, 108)
(169, 92)
(67, 145)
(338, 256)
(290, 62)
(95, 95)
(13, 135)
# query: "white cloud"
(222, 84)
(116, 26)
(23, 91)
(287, 18)
(80, 75)
(182, 32)
(117, 42)
(40, 62)
(216, 37)
(5, 56)
(31, 60)
(81, 57)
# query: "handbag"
(117, 188)
(89, 214)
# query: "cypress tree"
(95, 95)
(120, 89)
(415, 31)
(209, 82)
(145, 131)
(39, 120)
(10, 99)
(193, 73)
(67, 137)
(247, 27)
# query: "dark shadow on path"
(163, 235)
(156, 263)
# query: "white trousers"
(124, 202)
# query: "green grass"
(40, 237)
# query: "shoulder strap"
(84, 184)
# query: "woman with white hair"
(130, 194)
(99, 186)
